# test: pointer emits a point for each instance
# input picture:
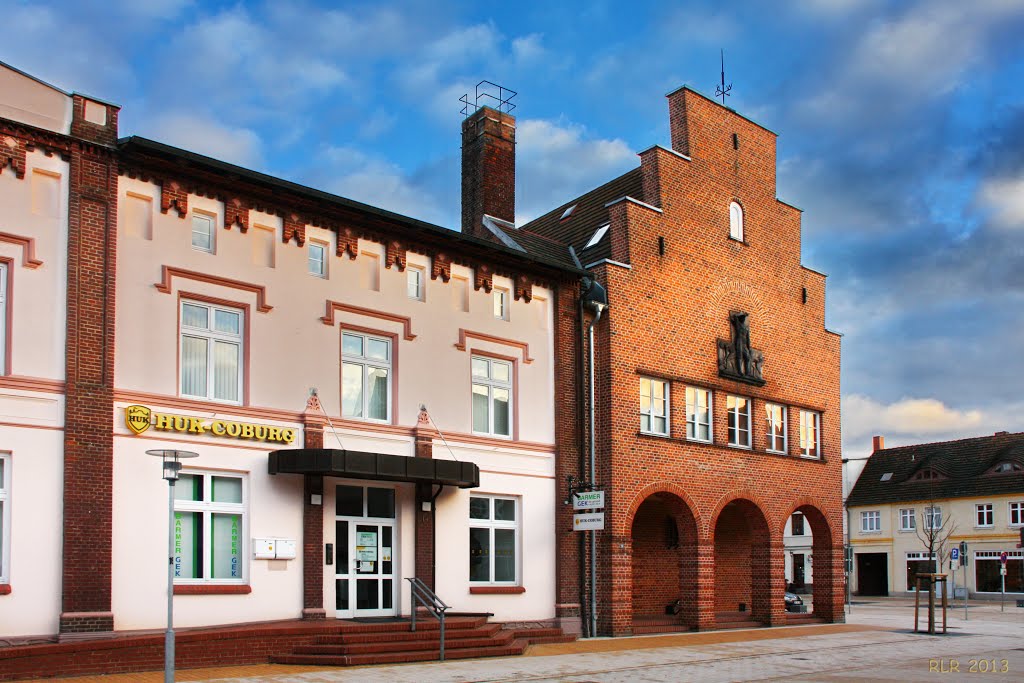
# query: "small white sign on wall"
(588, 521)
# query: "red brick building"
(717, 385)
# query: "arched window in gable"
(736, 221)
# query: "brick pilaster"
(89, 406)
(313, 519)
(425, 558)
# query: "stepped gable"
(964, 467)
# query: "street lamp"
(172, 466)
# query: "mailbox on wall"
(273, 548)
(285, 549)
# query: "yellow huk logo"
(137, 418)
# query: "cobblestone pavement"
(877, 644)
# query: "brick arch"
(738, 494)
(663, 558)
(827, 569)
(657, 487)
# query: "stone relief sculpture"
(736, 360)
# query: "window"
(365, 377)
(775, 422)
(209, 528)
(698, 414)
(317, 259)
(907, 520)
(414, 282)
(1005, 467)
(501, 303)
(871, 521)
(739, 421)
(202, 231)
(918, 563)
(596, 237)
(211, 352)
(983, 514)
(810, 434)
(1017, 514)
(736, 221)
(3, 319)
(492, 396)
(925, 475)
(653, 406)
(493, 540)
(987, 577)
(5, 517)
(932, 518)
(797, 524)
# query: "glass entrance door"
(365, 580)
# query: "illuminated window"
(775, 424)
(810, 434)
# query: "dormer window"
(1007, 467)
(597, 236)
(736, 221)
(926, 475)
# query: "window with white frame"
(810, 434)
(738, 408)
(775, 424)
(492, 396)
(1017, 514)
(366, 376)
(736, 221)
(211, 351)
(908, 521)
(871, 520)
(698, 414)
(203, 232)
(209, 528)
(494, 540)
(3, 318)
(5, 517)
(983, 515)
(414, 282)
(317, 259)
(918, 563)
(932, 518)
(500, 303)
(988, 577)
(654, 406)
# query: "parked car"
(793, 602)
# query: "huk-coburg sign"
(140, 418)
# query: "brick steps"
(542, 636)
(643, 629)
(405, 635)
(451, 651)
(409, 645)
(725, 621)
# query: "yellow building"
(912, 505)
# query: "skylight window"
(887, 476)
(596, 237)
(567, 212)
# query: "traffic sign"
(588, 521)
(954, 554)
(1003, 557)
(588, 500)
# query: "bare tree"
(934, 532)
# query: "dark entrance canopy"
(332, 462)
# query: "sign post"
(1002, 575)
(963, 563)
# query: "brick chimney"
(488, 169)
(877, 443)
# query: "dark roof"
(589, 215)
(533, 250)
(964, 469)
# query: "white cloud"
(374, 181)
(528, 49)
(558, 161)
(1004, 197)
(924, 52)
(918, 420)
(190, 131)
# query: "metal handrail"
(422, 594)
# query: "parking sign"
(954, 554)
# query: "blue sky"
(901, 131)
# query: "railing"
(422, 594)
